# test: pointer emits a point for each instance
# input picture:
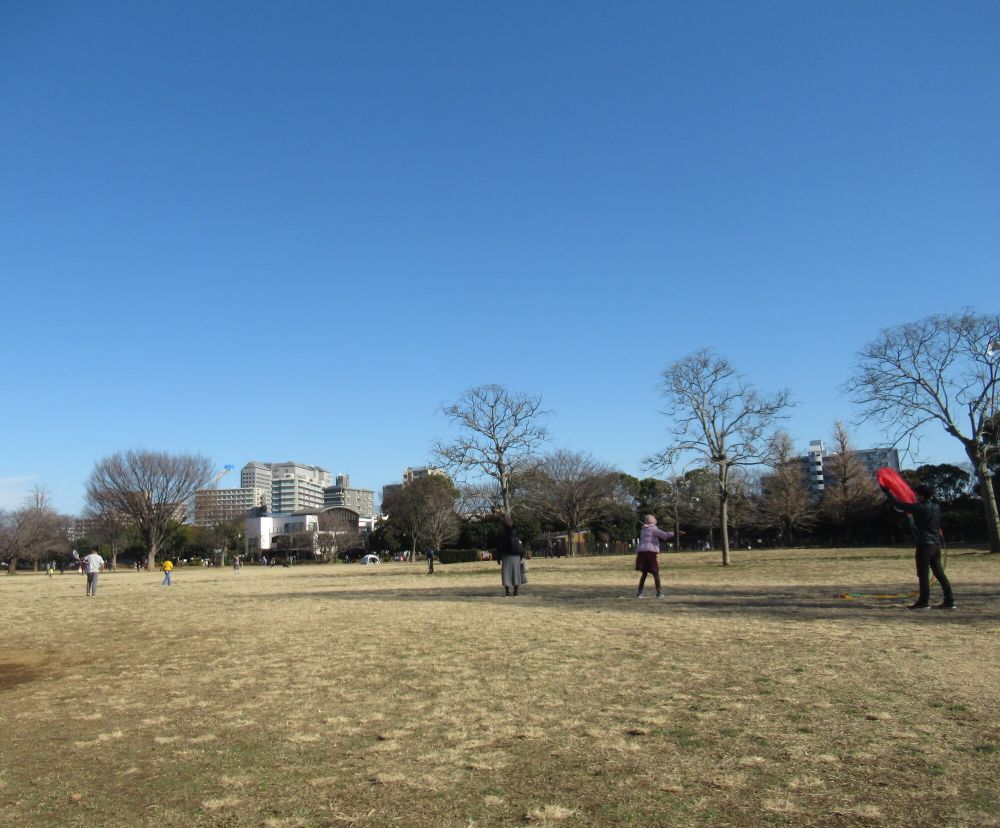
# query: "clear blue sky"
(291, 231)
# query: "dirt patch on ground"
(20, 668)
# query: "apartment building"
(815, 464)
(213, 506)
(341, 493)
(291, 487)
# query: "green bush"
(449, 556)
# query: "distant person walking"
(237, 564)
(510, 556)
(926, 515)
(92, 565)
(647, 554)
(430, 560)
(167, 569)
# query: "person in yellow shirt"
(167, 566)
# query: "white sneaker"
(640, 595)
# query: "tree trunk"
(724, 521)
(724, 509)
(990, 506)
(12, 566)
(151, 557)
(34, 566)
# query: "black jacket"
(926, 518)
(510, 545)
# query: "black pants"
(929, 558)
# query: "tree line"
(726, 472)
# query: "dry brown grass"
(342, 695)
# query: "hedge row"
(449, 556)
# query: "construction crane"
(219, 475)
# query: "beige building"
(213, 506)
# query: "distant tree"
(33, 532)
(697, 492)
(948, 482)
(150, 487)
(440, 521)
(107, 527)
(786, 505)
(851, 494)
(228, 536)
(943, 369)
(570, 488)
(326, 545)
(720, 420)
(339, 530)
(479, 500)
(424, 511)
(500, 432)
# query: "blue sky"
(291, 231)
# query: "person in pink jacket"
(646, 560)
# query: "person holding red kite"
(926, 516)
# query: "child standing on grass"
(646, 558)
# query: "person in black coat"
(509, 556)
(926, 526)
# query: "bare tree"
(338, 529)
(570, 488)
(944, 369)
(500, 433)
(479, 500)
(440, 522)
(151, 487)
(33, 531)
(424, 511)
(785, 502)
(106, 525)
(720, 419)
(850, 494)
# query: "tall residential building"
(815, 468)
(341, 493)
(290, 487)
(296, 487)
(222, 505)
(256, 475)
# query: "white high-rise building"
(296, 487)
(815, 464)
(291, 487)
(256, 475)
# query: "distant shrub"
(449, 556)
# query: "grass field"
(348, 695)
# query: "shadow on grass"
(978, 603)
